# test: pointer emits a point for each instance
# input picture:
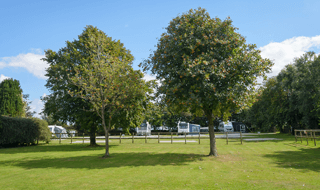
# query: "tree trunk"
(93, 137)
(213, 149)
(106, 132)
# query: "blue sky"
(282, 29)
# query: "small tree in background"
(27, 108)
(204, 64)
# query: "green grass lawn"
(253, 165)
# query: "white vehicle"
(144, 129)
(56, 130)
(184, 127)
(225, 127)
(204, 129)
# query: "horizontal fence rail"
(312, 134)
(154, 135)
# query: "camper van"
(184, 127)
(225, 127)
(56, 130)
(144, 129)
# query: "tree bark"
(106, 132)
(93, 137)
(213, 149)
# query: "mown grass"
(253, 165)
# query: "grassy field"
(253, 165)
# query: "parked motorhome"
(225, 127)
(184, 127)
(239, 127)
(56, 130)
(144, 129)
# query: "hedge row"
(20, 131)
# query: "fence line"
(307, 134)
(155, 135)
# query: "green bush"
(44, 132)
(22, 131)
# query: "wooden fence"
(307, 134)
(157, 135)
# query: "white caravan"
(225, 127)
(57, 130)
(184, 127)
(144, 129)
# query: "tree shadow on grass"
(94, 161)
(52, 148)
(303, 158)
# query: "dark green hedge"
(20, 131)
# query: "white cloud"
(2, 77)
(30, 61)
(148, 77)
(283, 53)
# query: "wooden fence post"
(60, 139)
(307, 137)
(120, 139)
(71, 137)
(82, 138)
(146, 138)
(199, 137)
(132, 138)
(301, 136)
(185, 138)
(241, 136)
(158, 138)
(227, 136)
(314, 138)
(295, 135)
(171, 137)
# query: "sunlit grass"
(253, 165)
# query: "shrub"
(22, 131)
(14, 131)
(44, 133)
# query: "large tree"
(203, 63)
(104, 77)
(11, 101)
(59, 106)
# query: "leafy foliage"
(94, 73)
(204, 64)
(22, 131)
(11, 103)
(290, 99)
(44, 133)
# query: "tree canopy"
(291, 99)
(97, 73)
(203, 63)
(11, 101)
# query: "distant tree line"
(289, 101)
